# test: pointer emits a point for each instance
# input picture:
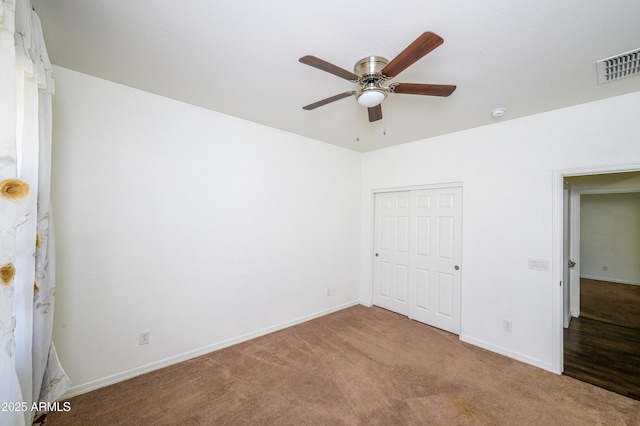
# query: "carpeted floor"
(359, 366)
(614, 303)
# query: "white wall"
(610, 237)
(202, 228)
(206, 229)
(507, 170)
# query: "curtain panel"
(31, 377)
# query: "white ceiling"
(240, 57)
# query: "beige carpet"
(614, 303)
(359, 366)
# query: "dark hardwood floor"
(603, 354)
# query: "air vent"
(619, 66)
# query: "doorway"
(601, 336)
(417, 254)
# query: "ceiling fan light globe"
(371, 98)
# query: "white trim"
(607, 190)
(575, 235)
(366, 304)
(574, 249)
(128, 374)
(611, 280)
(557, 271)
(502, 351)
(417, 187)
(566, 255)
(600, 170)
(557, 322)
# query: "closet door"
(391, 258)
(417, 254)
(435, 255)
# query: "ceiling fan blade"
(328, 100)
(416, 50)
(330, 68)
(443, 90)
(375, 113)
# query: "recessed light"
(498, 112)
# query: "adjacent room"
(261, 223)
(602, 332)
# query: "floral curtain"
(31, 378)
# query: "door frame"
(372, 200)
(558, 266)
(575, 236)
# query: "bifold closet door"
(417, 255)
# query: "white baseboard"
(128, 374)
(502, 351)
(611, 280)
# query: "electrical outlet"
(144, 337)
(507, 325)
(605, 268)
(328, 292)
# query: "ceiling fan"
(371, 72)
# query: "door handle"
(571, 264)
(456, 267)
(376, 254)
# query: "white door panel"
(391, 262)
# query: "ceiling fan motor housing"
(370, 66)
(369, 69)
